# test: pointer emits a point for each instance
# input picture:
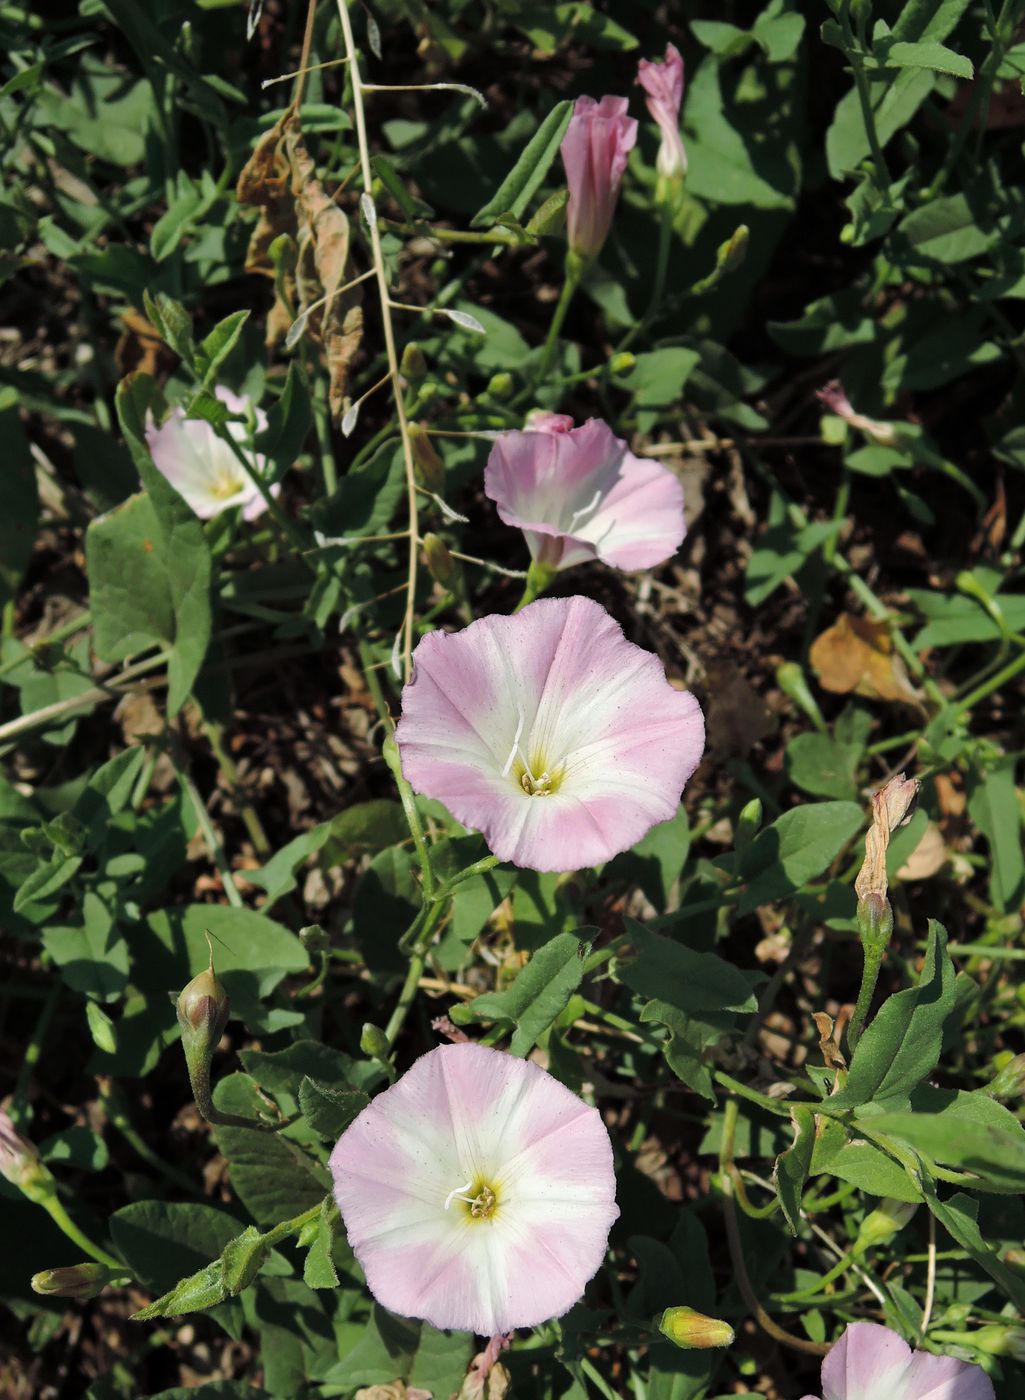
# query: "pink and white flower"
(477, 1192)
(559, 740)
(663, 86)
(202, 467)
(580, 493)
(870, 1362)
(598, 140)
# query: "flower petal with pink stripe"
(871, 1362)
(550, 733)
(580, 493)
(201, 466)
(477, 1192)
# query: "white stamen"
(515, 743)
(585, 510)
(457, 1194)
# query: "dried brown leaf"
(856, 656)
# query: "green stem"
(574, 272)
(213, 842)
(868, 116)
(869, 978)
(800, 1294)
(117, 1117)
(291, 1227)
(455, 235)
(658, 286)
(64, 1222)
(432, 916)
(994, 683)
(19, 1106)
(252, 823)
(775, 1106)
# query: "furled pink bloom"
(598, 140)
(477, 1192)
(834, 397)
(581, 494)
(559, 740)
(202, 467)
(663, 85)
(870, 1362)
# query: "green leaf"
(792, 1166)
(20, 513)
(129, 586)
(655, 862)
(689, 1038)
(281, 1071)
(242, 1259)
(319, 1269)
(218, 345)
(201, 1290)
(175, 222)
(328, 1109)
(901, 1045)
(695, 983)
(959, 1217)
(968, 1131)
(657, 379)
(46, 880)
(894, 101)
(869, 1169)
(993, 807)
(162, 1241)
(366, 499)
(796, 848)
(519, 186)
(926, 55)
(947, 230)
(728, 162)
(823, 766)
(289, 421)
(186, 552)
(271, 1176)
(539, 994)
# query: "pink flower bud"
(19, 1159)
(594, 150)
(663, 84)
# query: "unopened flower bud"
(692, 1330)
(439, 559)
(875, 921)
(202, 1009)
(78, 1281)
(622, 362)
(430, 469)
(314, 939)
(413, 365)
(996, 1339)
(791, 680)
(883, 1223)
(731, 254)
(374, 1042)
(501, 385)
(20, 1162)
(1009, 1082)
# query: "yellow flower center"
(478, 1199)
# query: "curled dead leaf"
(280, 180)
(856, 656)
(928, 857)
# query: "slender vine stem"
(384, 298)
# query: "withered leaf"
(856, 655)
(280, 180)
